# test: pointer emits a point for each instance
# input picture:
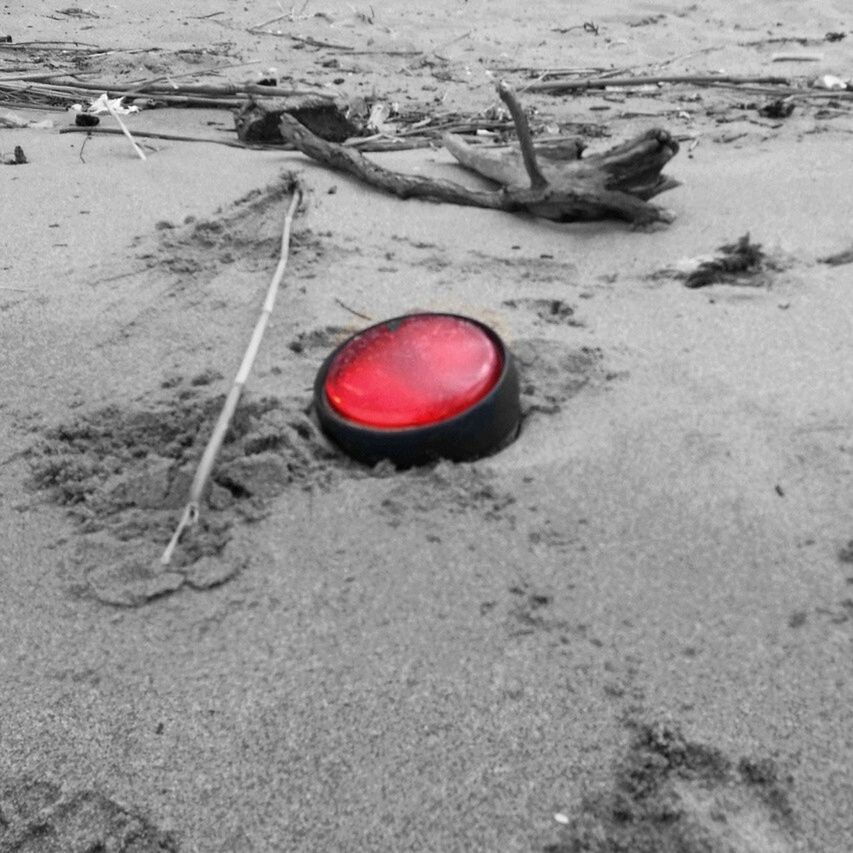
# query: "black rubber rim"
(480, 430)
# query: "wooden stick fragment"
(614, 184)
(603, 82)
(522, 128)
(139, 152)
(202, 475)
(173, 137)
(73, 86)
(366, 143)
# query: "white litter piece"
(830, 81)
(102, 104)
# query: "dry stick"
(651, 80)
(375, 143)
(352, 310)
(191, 510)
(790, 91)
(79, 46)
(312, 42)
(525, 141)
(70, 93)
(225, 90)
(139, 152)
(33, 76)
(263, 24)
(289, 15)
(174, 137)
(169, 78)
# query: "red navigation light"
(416, 371)
(417, 388)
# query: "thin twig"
(32, 76)
(173, 137)
(75, 87)
(525, 141)
(352, 310)
(139, 152)
(312, 42)
(168, 78)
(80, 46)
(602, 82)
(375, 143)
(191, 510)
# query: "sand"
(628, 631)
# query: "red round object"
(414, 371)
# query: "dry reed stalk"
(225, 97)
(195, 89)
(602, 82)
(139, 152)
(365, 143)
(202, 475)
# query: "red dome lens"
(414, 371)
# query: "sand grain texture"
(637, 616)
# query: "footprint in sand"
(38, 816)
(670, 795)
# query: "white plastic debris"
(102, 105)
(829, 81)
(378, 119)
(561, 818)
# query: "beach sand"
(630, 630)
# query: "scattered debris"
(70, 90)
(734, 264)
(617, 183)
(779, 108)
(103, 104)
(259, 121)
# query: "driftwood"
(66, 89)
(259, 122)
(554, 86)
(564, 187)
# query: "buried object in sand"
(418, 388)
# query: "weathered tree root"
(617, 183)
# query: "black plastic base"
(488, 425)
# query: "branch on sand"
(552, 182)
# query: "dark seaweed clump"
(734, 262)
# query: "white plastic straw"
(139, 152)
